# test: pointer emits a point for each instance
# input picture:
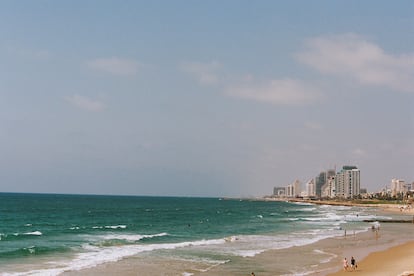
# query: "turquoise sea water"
(50, 234)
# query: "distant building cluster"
(328, 184)
(345, 184)
(397, 188)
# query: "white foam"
(131, 237)
(307, 209)
(110, 227)
(330, 257)
(244, 246)
(31, 249)
(34, 233)
(303, 203)
(97, 255)
(406, 273)
(231, 239)
(249, 253)
(116, 226)
(207, 263)
(335, 207)
(252, 245)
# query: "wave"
(115, 226)
(32, 251)
(243, 235)
(245, 246)
(110, 227)
(310, 209)
(303, 203)
(252, 245)
(98, 255)
(34, 233)
(336, 207)
(341, 218)
(17, 236)
(131, 237)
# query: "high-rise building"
(294, 189)
(279, 191)
(321, 182)
(310, 188)
(328, 190)
(347, 182)
(398, 186)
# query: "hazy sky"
(203, 98)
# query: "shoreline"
(364, 246)
(360, 203)
(394, 255)
(360, 245)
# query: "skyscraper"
(348, 182)
(321, 180)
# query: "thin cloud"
(352, 56)
(308, 147)
(313, 125)
(85, 103)
(114, 65)
(358, 152)
(205, 73)
(278, 92)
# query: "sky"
(203, 98)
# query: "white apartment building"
(398, 186)
(310, 188)
(328, 190)
(347, 182)
(294, 189)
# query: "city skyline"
(205, 98)
(345, 184)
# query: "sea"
(50, 234)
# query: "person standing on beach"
(345, 264)
(353, 263)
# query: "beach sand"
(398, 260)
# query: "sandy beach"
(398, 260)
(388, 252)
